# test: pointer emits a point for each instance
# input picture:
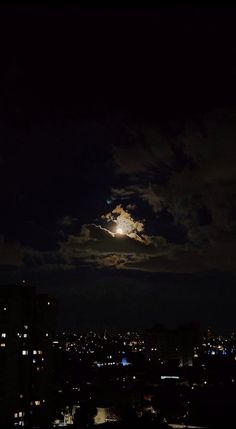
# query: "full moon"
(119, 230)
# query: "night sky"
(117, 162)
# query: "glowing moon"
(119, 231)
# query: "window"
(2, 345)
(26, 326)
(25, 335)
(3, 335)
(37, 403)
(24, 352)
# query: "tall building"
(173, 344)
(27, 322)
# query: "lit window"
(20, 414)
(34, 352)
(5, 309)
(47, 335)
(40, 352)
(21, 396)
(15, 415)
(2, 345)
(26, 326)
(34, 361)
(25, 335)
(3, 335)
(25, 352)
(37, 403)
(49, 303)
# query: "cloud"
(68, 221)
(98, 247)
(151, 193)
(103, 248)
(123, 220)
(199, 193)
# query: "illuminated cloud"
(205, 183)
(124, 223)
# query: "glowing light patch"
(119, 231)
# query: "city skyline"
(158, 377)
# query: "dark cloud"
(198, 196)
(68, 221)
(201, 192)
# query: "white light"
(175, 377)
(25, 352)
(3, 335)
(119, 230)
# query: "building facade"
(27, 322)
(173, 345)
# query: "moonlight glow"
(119, 231)
(124, 224)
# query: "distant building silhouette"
(173, 344)
(27, 321)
